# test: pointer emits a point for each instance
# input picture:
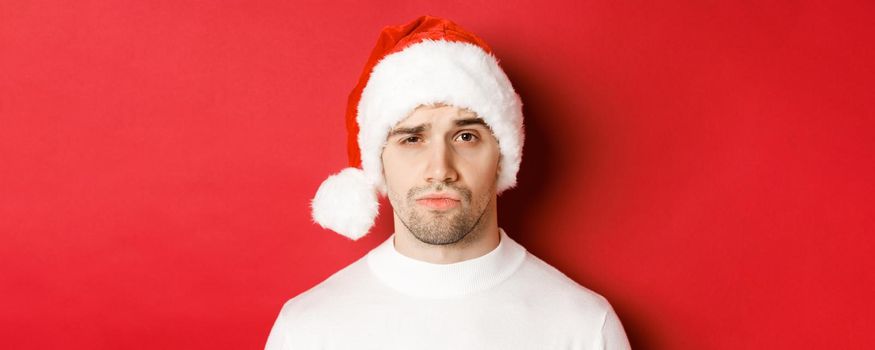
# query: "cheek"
(481, 168)
(397, 171)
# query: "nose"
(441, 164)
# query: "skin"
(441, 168)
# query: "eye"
(467, 137)
(411, 139)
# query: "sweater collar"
(424, 279)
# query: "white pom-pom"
(346, 203)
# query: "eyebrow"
(471, 121)
(411, 130)
(423, 127)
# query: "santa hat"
(430, 60)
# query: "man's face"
(440, 166)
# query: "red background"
(706, 166)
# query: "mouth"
(439, 201)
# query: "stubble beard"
(436, 227)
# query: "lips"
(439, 201)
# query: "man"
(437, 127)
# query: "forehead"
(436, 113)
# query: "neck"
(482, 239)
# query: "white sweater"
(506, 299)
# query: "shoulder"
(560, 297)
(329, 296)
(551, 280)
(306, 319)
(583, 313)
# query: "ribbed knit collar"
(424, 279)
